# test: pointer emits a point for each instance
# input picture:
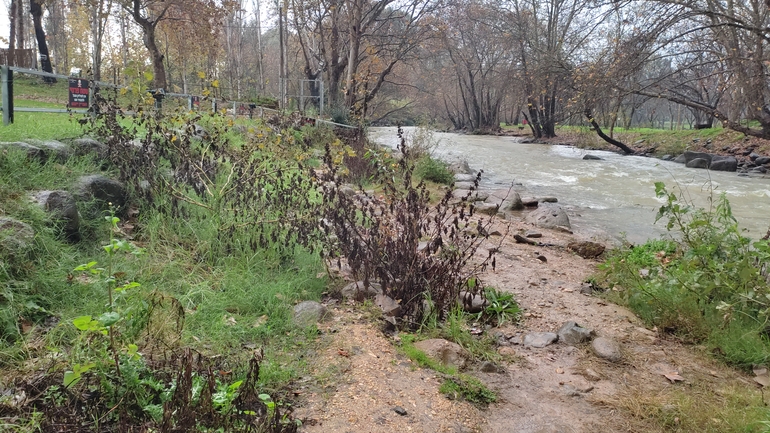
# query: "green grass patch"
(456, 385)
(41, 126)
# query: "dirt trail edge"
(363, 384)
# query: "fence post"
(189, 103)
(214, 105)
(321, 104)
(6, 81)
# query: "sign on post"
(79, 88)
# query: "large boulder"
(62, 206)
(486, 208)
(697, 163)
(512, 202)
(16, 237)
(103, 190)
(445, 352)
(86, 146)
(723, 163)
(690, 155)
(53, 149)
(33, 152)
(549, 216)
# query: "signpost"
(79, 89)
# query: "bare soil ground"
(360, 376)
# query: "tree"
(36, 9)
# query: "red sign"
(79, 88)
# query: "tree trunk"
(37, 16)
(20, 25)
(148, 33)
(12, 19)
(604, 136)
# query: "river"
(613, 196)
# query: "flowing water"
(615, 195)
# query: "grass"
(233, 304)
(456, 385)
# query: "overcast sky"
(5, 25)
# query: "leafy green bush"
(705, 284)
(434, 170)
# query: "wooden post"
(6, 83)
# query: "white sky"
(5, 25)
(248, 5)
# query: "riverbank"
(656, 385)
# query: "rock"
(512, 202)
(63, 208)
(506, 351)
(723, 163)
(690, 155)
(446, 352)
(759, 169)
(586, 249)
(680, 159)
(547, 199)
(463, 177)
(572, 334)
(549, 216)
(460, 167)
(533, 234)
(464, 185)
(542, 258)
(606, 348)
(667, 157)
(102, 189)
(53, 149)
(472, 303)
(697, 163)
(359, 292)
(388, 305)
(592, 375)
(762, 160)
(479, 195)
(347, 190)
(308, 313)
(540, 339)
(400, 410)
(590, 157)
(530, 201)
(753, 156)
(490, 367)
(586, 289)
(486, 208)
(16, 237)
(33, 152)
(85, 146)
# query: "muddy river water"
(613, 196)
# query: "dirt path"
(558, 388)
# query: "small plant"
(501, 307)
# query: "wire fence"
(78, 98)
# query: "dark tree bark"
(148, 36)
(606, 137)
(12, 19)
(36, 9)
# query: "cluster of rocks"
(753, 164)
(570, 334)
(63, 205)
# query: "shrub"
(380, 237)
(434, 170)
(706, 283)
